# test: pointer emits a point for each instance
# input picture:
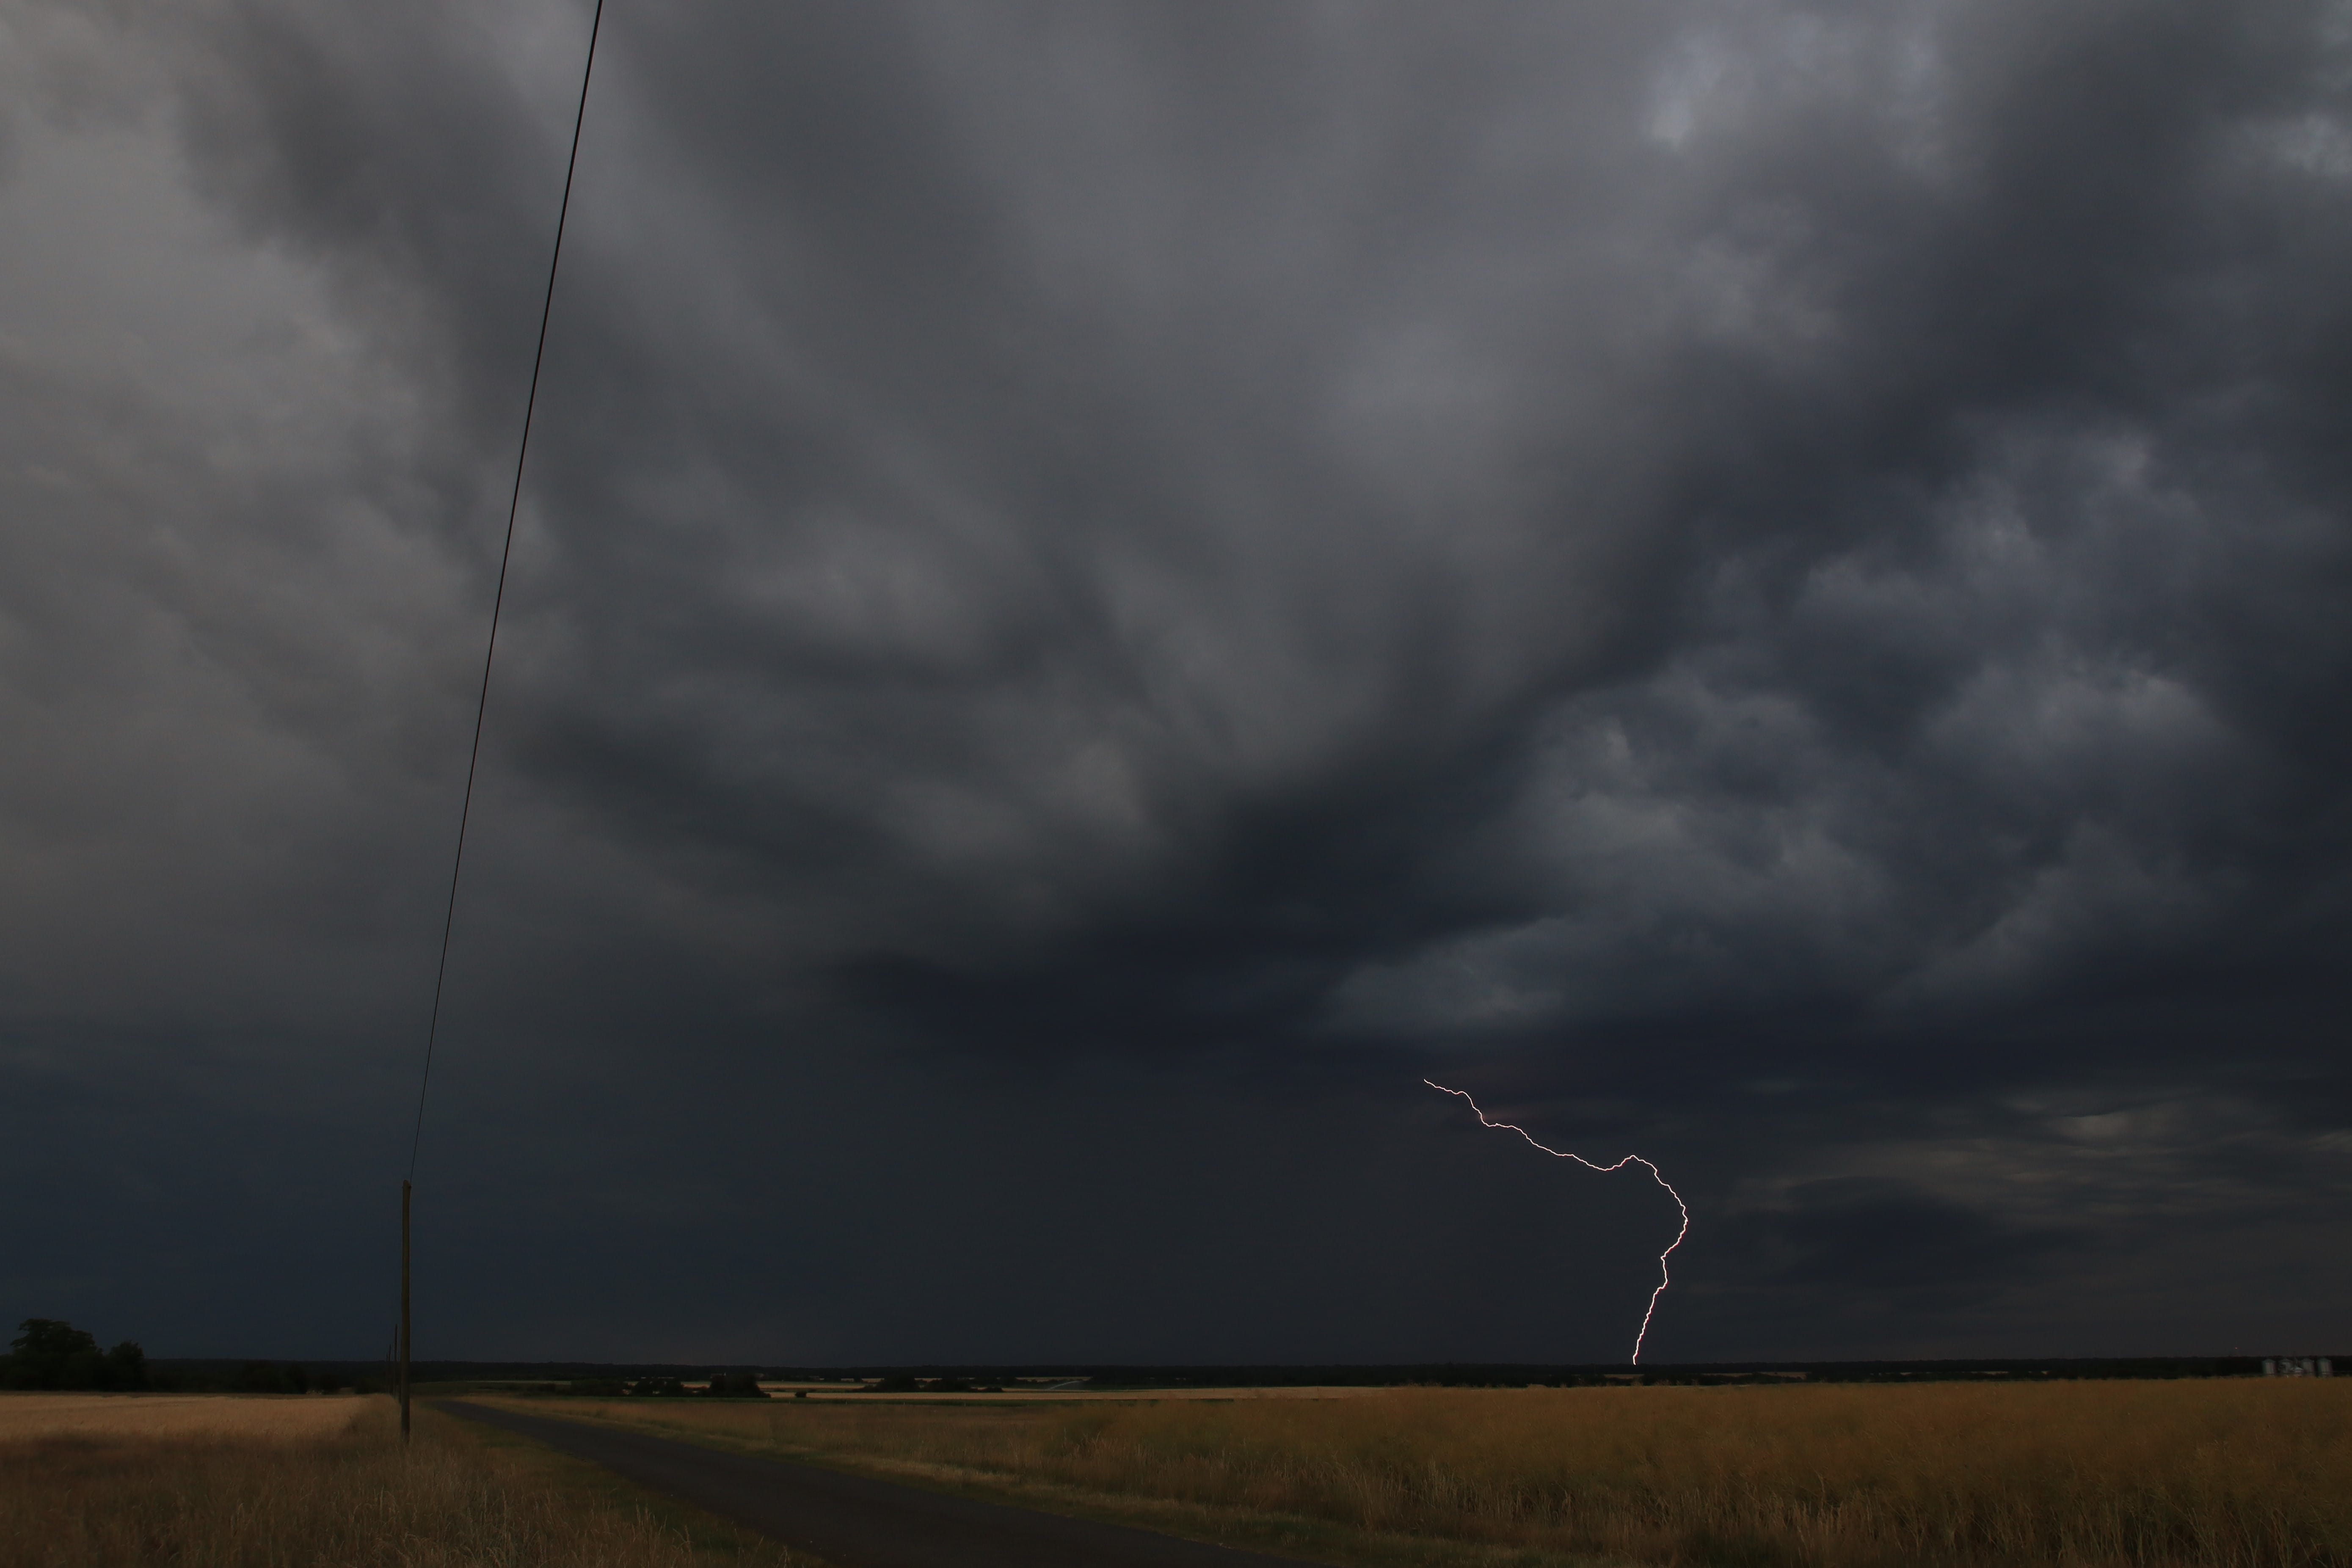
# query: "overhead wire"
(498, 600)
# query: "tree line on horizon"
(49, 1354)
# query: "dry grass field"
(25, 1417)
(103, 1481)
(1054, 1395)
(2224, 1474)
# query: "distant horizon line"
(1197, 1371)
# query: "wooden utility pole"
(403, 1312)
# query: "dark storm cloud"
(1764, 583)
(1871, 1235)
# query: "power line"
(489, 653)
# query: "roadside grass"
(2192, 1474)
(1303, 1536)
(274, 1490)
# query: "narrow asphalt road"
(858, 1522)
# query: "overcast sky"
(1104, 587)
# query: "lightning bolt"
(1664, 1279)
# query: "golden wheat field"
(94, 1481)
(2222, 1474)
(1052, 1396)
(296, 1419)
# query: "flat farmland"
(26, 1418)
(2218, 1474)
(854, 1394)
(230, 1481)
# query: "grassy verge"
(1301, 1535)
(2224, 1474)
(459, 1495)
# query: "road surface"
(855, 1521)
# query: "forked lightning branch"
(1663, 1277)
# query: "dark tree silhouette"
(735, 1386)
(50, 1353)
